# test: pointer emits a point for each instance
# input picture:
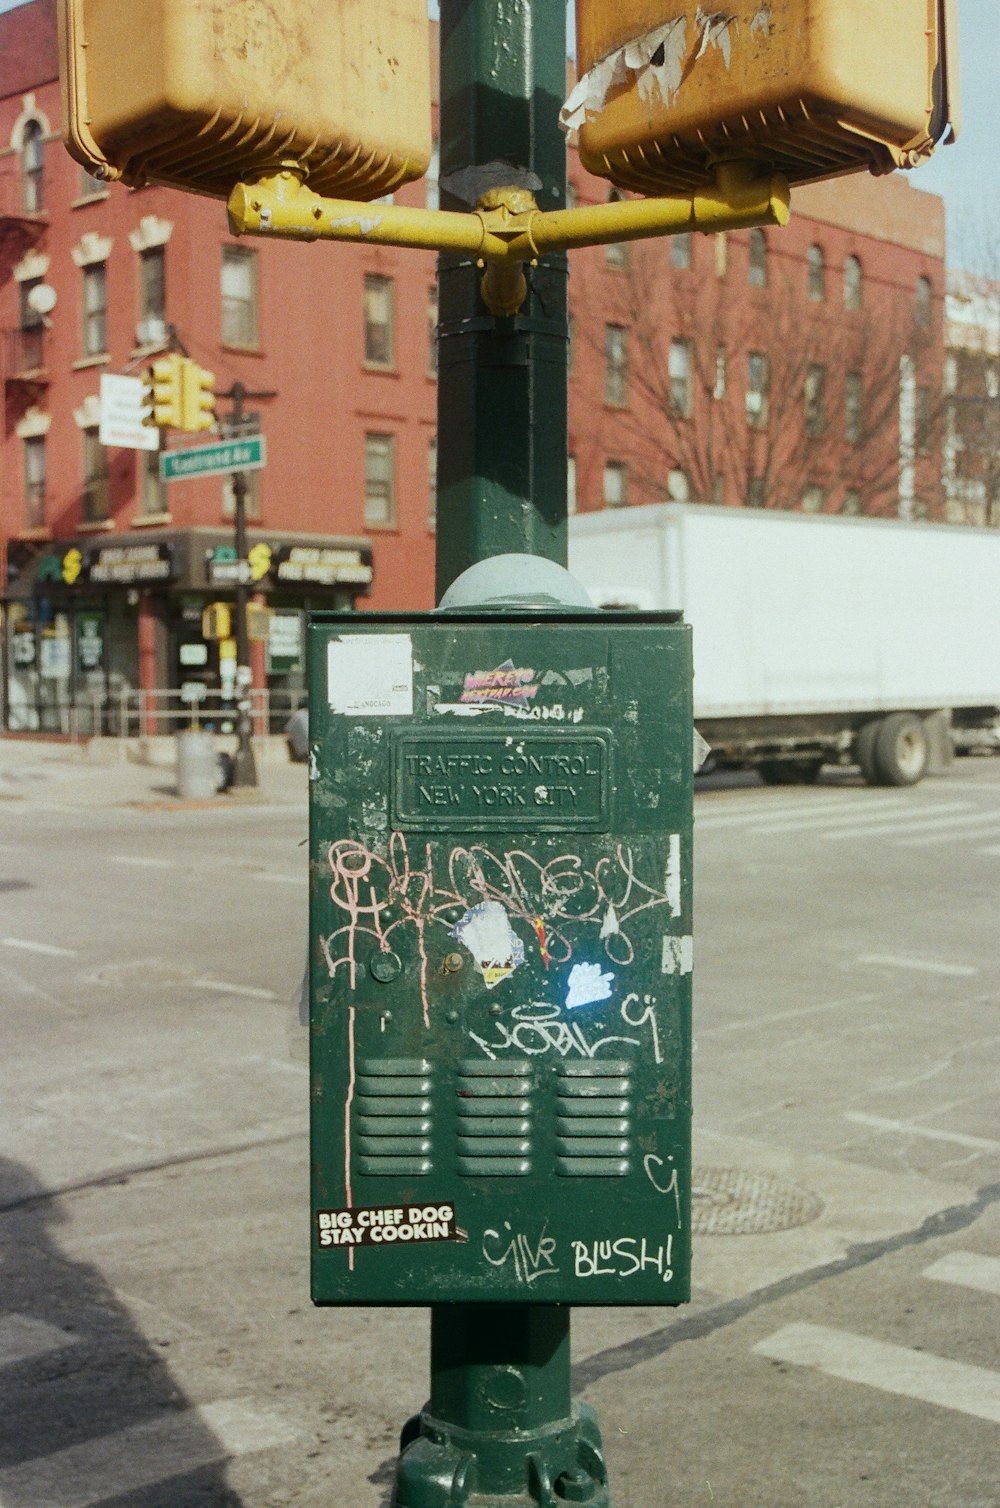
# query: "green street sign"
(247, 454)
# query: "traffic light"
(213, 92)
(217, 621)
(808, 89)
(165, 378)
(197, 397)
(258, 622)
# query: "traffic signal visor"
(203, 93)
(808, 89)
(197, 397)
(165, 378)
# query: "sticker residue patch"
(487, 933)
(588, 985)
(507, 685)
(678, 953)
(387, 1225)
(370, 675)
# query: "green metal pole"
(501, 382)
(501, 1427)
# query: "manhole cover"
(143, 972)
(733, 1202)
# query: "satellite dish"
(41, 298)
(151, 331)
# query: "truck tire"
(864, 752)
(901, 750)
(802, 771)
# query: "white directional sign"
(123, 409)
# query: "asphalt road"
(157, 1345)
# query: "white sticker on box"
(370, 675)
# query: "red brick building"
(762, 367)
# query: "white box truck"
(817, 639)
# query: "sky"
(966, 175)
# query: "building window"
(571, 484)
(616, 253)
(853, 407)
(756, 492)
(432, 187)
(758, 382)
(679, 373)
(922, 308)
(432, 331)
(95, 309)
(153, 499)
(251, 495)
(718, 489)
(616, 366)
(239, 297)
(34, 482)
(153, 284)
(852, 284)
(721, 372)
(721, 253)
(32, 354)
(91, 187)
(817, 274)
(380, 481)
(758, 259)
(852, 502)
(615, 484)
(925, 420)
(95, 478)
(32, 169)
(813, 498)
(814, 393)
(680, 251)
(379, 316)
(678, 486)
(432, 481)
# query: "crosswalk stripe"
(966, 1269)
(142, 1455)
(831, 807)
(892, 1369)
(22, 1338)
(919, 965)
(850, 825)
(949, 830)
(141, 861)
(928, 1133)
(222, 987)
(48, 949)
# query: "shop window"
(379, 314)
(616, 366)
(852, 284)
(32, 168)
(34, 482)
(251, 496)
(757, 272)
(758, 383)
(95, 309)
(615, 484)
(380, 481)
(239, 297)
(816, 265)
(95, 478)
(679, 374)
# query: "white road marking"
(928, 821)
(828, 808)
(22, 1337)
(48, 949)
(285, 879)
(894, 821)
(920, 965)
(966, 1269)
(993, 849)
(141, 1456)
(221, 987)
(753, 1023)
(891, 1369)
(929, 1133)
(140, 861)
(979, 820)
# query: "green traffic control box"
(500, 936)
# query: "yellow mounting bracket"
(506, 229)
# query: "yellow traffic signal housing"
(165, 378)
(216, 621)
(258, 621)
(197, 397)
(202, 93)
(805, 88)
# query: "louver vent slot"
(495, 1106)
(594, 1128)
(392, 1117)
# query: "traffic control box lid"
(202, 94)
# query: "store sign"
(90, 641)
(128, 565)
(285, 643)
(321, 565)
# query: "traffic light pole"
(501, 1427)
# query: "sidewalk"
(99, 773)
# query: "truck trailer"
(818, 639)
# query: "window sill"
(228, 345)
(389, 528)
(89, 199)
(91, 361)
(97, 526)
(38, 535)
(151, 520)
(381, 368)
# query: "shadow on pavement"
(75, 1371)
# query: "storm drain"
(733, 1202)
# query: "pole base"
(443, 1466)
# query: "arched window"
(32, 168)
(817, 274)
(852, 283)
(758, 259)
(922, 307)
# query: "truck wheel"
(790, 771)
(864, 752)
(901, 750)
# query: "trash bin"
(197, 765)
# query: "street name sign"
(248, 454)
